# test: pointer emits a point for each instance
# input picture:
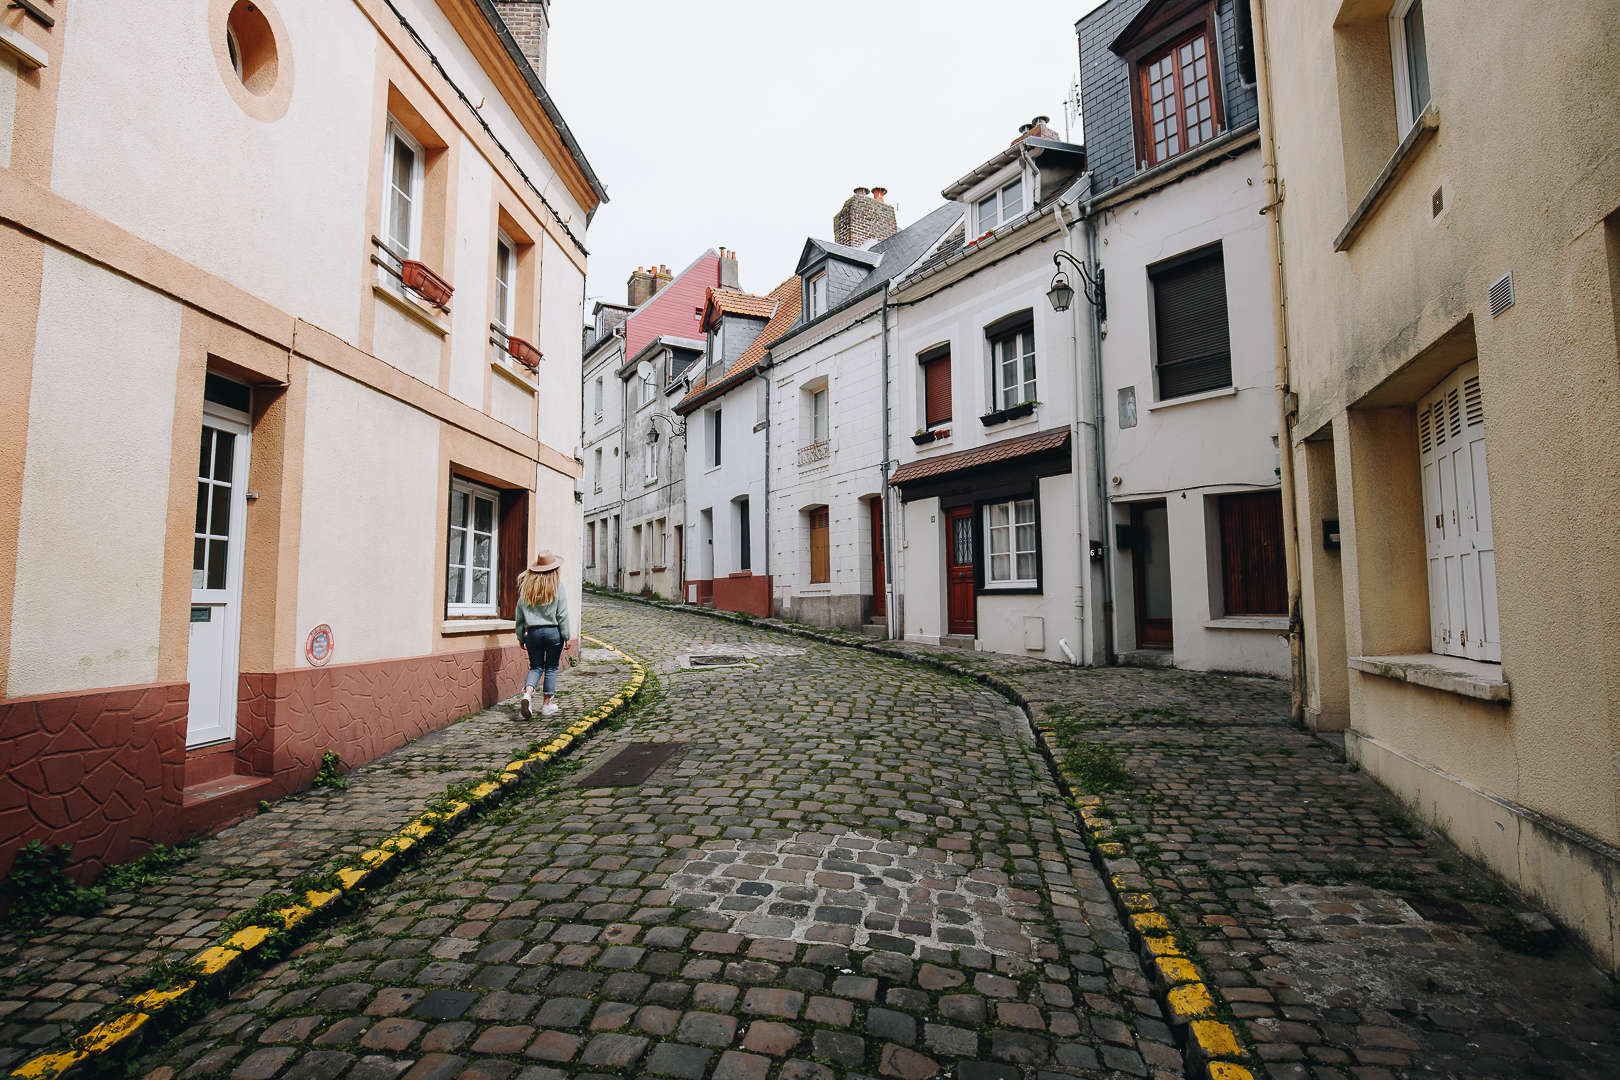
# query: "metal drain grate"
(630, 766)
(714, 659)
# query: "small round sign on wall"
(318, 649)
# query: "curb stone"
(219, 964)
(1209, 1045)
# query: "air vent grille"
(1501, 294)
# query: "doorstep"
(210, 805)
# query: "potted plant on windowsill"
(1012, 412)
(922, 437)
(523, 353)
(430, 286)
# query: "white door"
(1457, 519)
(216, 576)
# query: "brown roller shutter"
(1255, 581)
(1195, 352)
(937, 389)
(513, 557)
(820, 560)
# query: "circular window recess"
(255, 61)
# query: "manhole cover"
(630, 766)
(714, 660)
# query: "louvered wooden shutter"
(820, 561)
(1457, 518)
(1253, 574)
(513, 557)
(937, 390)
(1195, 352)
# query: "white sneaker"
(525, 708)
(550, 710)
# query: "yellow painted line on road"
(216, 959)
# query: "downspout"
(1083, 569)
(888, 531)
(1279, 312)
(760, 370)
(1102, 460)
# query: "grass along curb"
(219, 964)
(1209, 1045)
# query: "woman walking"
(542, 628)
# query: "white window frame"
(714, 420)
(1461, 552)
(505, 281)
(1009, 534)
(411, 244)
(599, 397)
(819, 427)
(999, 197)
(652, 462)
(473, 492)
(662, 546)
(818, 303)
(1406, 113)
(1026, 389)
(649, 391)
(598, 460)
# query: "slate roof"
(783, 303)
(954, 243)
(996, 453)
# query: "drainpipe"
(1279, 332)
(1083, 569)
(760, 370)
(1102, 460)
(888, 531)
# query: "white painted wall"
(741, 473)
(371, 540)
(603, 432)
(562, 313)
(511, 404)
(95, 484)
(148, 136)
(1186, 453)
(470, 350)
(405, 343)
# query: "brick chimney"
(530, 22)
(646, 281)
(728, 270)
(864, 219)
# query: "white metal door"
(1457, 518)
(216, 576)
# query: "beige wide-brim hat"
(545, 561)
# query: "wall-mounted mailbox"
(1097, 547)
(1330, 535)
(1122, 537)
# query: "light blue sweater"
(552, 614)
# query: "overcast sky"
(746, 125)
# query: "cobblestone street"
(853, 864)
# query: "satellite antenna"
(1071, 107)
(645, 370)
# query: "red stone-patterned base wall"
(102, 771)
(105, 770)
(743, 592)
(288, 719)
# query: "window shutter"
(1254, 578)
(513, 557)
(820, 562)
(1457, 518)
(937, 390)
(1195, 352)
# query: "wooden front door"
(880, 606)
(961, 618)
(1150, 567)
(820, 552)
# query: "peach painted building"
(286, 283)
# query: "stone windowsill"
(1276, 623)
(476, 626)
(410, 308)
(504, 367)
(1207, 395)
(1423, 130)
(1453, 674)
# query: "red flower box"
(433, 288)
(523, 352)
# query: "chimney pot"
(861, 191)
(879, 192)
(864, 219)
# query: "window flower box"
(1016, 412)
(523, 352)
(432, 288)
(923, 438)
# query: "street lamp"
(674, 429)
(1061, 294)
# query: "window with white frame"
(598, 468)
(649, 388)
(818, 415)
(660, 543)
(818, 295)
(761, 404)
(1000, 206)
(1410, 56)
(599, 397)
(505, 282)
(715, 431)
(402, 198)
(652, 460)
(1012, 355)
(469, 587)
(1012, 544)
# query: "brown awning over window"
(1052, 443)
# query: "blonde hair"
(539, 588)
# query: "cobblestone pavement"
(850, 866)
(61, 978)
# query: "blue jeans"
(545, 645)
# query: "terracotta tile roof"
(732, 302)
(782, 305)
(996, 453)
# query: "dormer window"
(1175, 78)
(818, 295)
(1000, 207)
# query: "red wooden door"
(880, 606)
(960, 615)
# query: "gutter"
(1102, 454)
(1083, 569)
(888, 539)
(1279, 330)
(1208, 155)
